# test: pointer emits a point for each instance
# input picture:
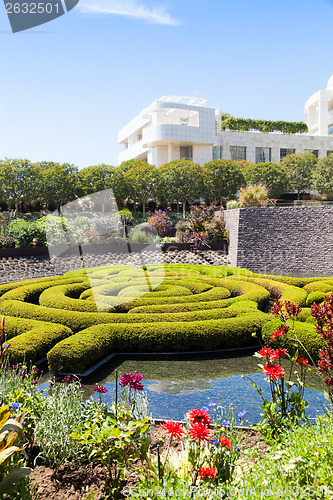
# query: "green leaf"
(13, 479)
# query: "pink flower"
(100, 388)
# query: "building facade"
(176, 127)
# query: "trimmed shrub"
(78, 352)
(35, 343)
(31, 292)
(319, 286)
(315, 297)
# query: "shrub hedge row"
(88, 346)
(190, 308)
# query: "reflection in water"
(180, 388)
(175, 384)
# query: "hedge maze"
(79, 318)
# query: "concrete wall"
(294, 241)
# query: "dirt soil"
(72, 482)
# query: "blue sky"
(69, 85)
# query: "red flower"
(278, 353)
(173, 428)
(208, 473)
(265, 351)
(225, 442)
(280, 332)
(292, 309)
(276, 308)
(199, 432)
(199, 417)
(275, 372)
(303, 362)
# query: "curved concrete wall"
(294, 241)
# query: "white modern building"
(319, 111)
(175, 127)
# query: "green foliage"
(117, 441)
(24, 232)
(231, 204)
(60, 412)
(19, 181)
(78, 352)
(141, 181)
(253, 195)
(247, 124)
(181, 181)
(7, 241)
(323, 176)
(300, 466)
(315, 297)
(300, 170)
(272, 175)
(96, 178)
(60, 183)
(223, 178)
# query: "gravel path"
(24, 268)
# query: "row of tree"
(180, 181)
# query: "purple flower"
(241, 414)
(125, 379)
(211, 404)
(226, 422)
(135, 383)
(205, 408)
(68, 379)
(100, 389)
(15, 406)
(132, 379)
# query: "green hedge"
(191, 308)
(310, 341)
(247, 124)
(61, 297)
(78, 352)
(31, 292)
(315, 297)
(36, 342)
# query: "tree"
(96, 178)
(60, 183)
(272, 175)
(323, 176)
(300, 168)
(19, 180)
(181, 180)
(223, 179)
(141, 182)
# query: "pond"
(176, 383)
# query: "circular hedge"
(78, 319)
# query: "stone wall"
(294, 241)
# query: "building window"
(186, 153)
(330, 129)
(329, 152)
(238, 153)
(263, 155)
(285, 152)
(312, 152)
(217, 152)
